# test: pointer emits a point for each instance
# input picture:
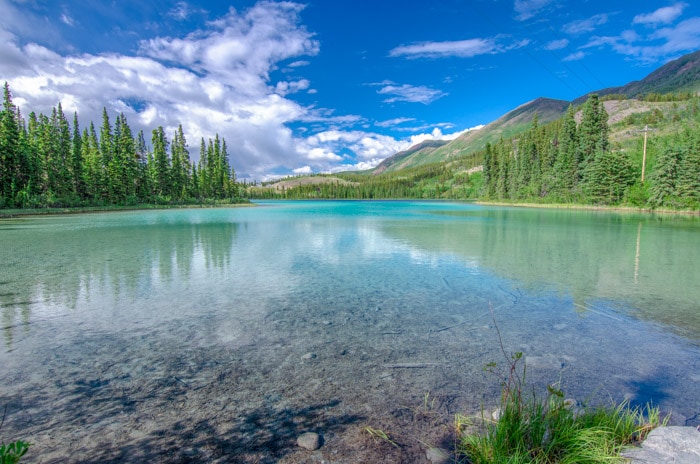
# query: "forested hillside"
(47, 162)
(575, 163)
(586, 157)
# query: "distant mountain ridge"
(511, 123)
(682, 74)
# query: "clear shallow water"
(223, 333)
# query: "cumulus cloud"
(664, 15)
(303, 170)
(582, 26)
(437, 134)
(459, 48)
(214, 80)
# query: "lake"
(220, 335)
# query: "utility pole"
(644, 153)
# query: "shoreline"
(31, 212)
(620, 209)
(15, 213)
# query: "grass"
(378, 435)
(548, 429)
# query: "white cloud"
(410, 93)
(393, 122)
(575, 56)
(285, 88)
(664, 15)
(303, 170)
(181, 11)
(459, 48)
(557, 44)
(214, 80)
(437, 134)
(526, 9)
(67, 20)
(321, 154)
(664, 43)
(585, 25)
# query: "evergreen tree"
(105, 139)
(566, 164)
(608, 176)
(9, 149)
(93, 172)
(592, 132)
(688, 183)
(77, 160)
(162, 162)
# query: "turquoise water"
(123, 330)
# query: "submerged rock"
(309, 440)
(308, 356)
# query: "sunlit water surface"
(123, 328)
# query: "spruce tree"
(162, 162)
(9, 149)
(77, 160)
(592, 132)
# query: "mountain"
(403, 159)
(510, 124)
(681, 75)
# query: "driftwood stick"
(410, 365)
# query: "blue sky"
(326, 85)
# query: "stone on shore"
(309, 440)
(677, 445)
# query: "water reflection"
(647, 263)
(53, 264)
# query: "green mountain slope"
(403, 159)
(508, 125)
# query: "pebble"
(308, 356)
(309, 440)
(437, 455)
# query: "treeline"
(47, 162)
(574, 163)
(446, 180)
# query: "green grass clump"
(549, 430)
(532, 429)
(13, 452)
